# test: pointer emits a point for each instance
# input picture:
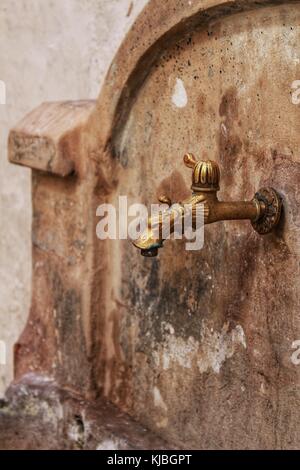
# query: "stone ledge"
(37, 415)
(47, 139)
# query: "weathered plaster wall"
(218, 325)
(217, 83)
(49, 51)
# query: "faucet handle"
(189, 160)
(165, 199)
(206, 174)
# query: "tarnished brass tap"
(263, 210)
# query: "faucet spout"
(159, 227)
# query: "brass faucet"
(263, 210)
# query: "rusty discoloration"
(230, 144)
(229, 105)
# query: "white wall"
(49, 50)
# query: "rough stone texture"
(50, 132)
(58, 50)
(196, 346)
(54, 419)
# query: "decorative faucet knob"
(206, 173)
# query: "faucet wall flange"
(272, 202)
